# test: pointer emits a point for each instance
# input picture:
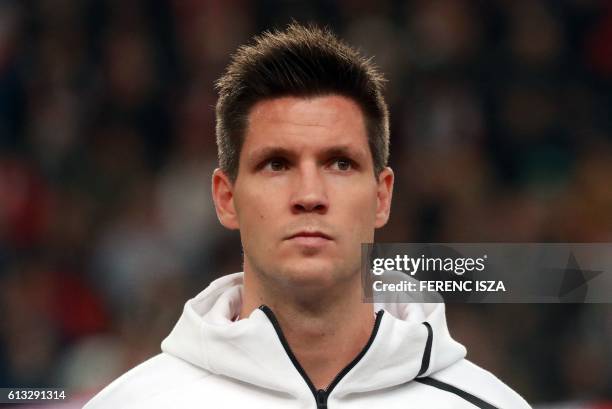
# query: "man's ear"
(383, 196)
(223, 196)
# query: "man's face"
(306, 196)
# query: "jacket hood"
(412, 340)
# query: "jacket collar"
(412, 340)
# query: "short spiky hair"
(298, 61)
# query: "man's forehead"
(327, 124)
(323, 110)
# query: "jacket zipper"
(320, 395)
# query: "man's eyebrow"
(269, 152)
(278, 151)
(345, 150)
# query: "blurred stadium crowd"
(501, 131)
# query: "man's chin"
(312, 273)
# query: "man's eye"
(342, 164)
(276, 165)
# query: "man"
(303, 136)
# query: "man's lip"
(309, 234)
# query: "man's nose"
(309, 191)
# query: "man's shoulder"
(467, 378)
(147, 382)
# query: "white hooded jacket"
(211, 361)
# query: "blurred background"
(501, 131)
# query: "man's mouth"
(310, 234)
(309, 238)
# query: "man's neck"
(326, 335)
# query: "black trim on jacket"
(320, 395)
(476, 401)
(427, 352)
